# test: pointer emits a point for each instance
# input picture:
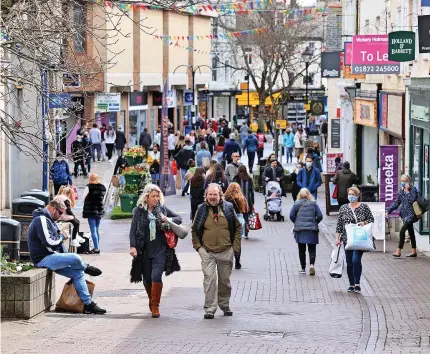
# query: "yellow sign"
(281, 124)
(254, 127)
(244, 86)
(307, 106)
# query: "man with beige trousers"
(216, 234)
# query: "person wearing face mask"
(407, 195)
(309, 177)
(295, 188)
(352, 213)
(60, 174)
(78, 154)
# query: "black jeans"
(260, 154)
(57, 187)
(410, 227)
(75, 223)
(109, 148)
(251, 159)
(154, 268)
(82, 164)
(312, 249)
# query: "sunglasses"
(59, 212)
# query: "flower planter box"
(27, 294)
(128, 202)
(132, 161)
(132, 179)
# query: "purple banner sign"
(167, 182)
(390, 174)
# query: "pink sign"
(370, 55)
(348, 53)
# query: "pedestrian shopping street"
(276, 309)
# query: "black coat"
(268, 173)
(344, 179)
(183, 156)
(145, 139)
(295, 188)
(93, 203)
(120, 140)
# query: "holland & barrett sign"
(401, 46)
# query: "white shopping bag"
(359, 238)
(337, 262)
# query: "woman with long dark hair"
(246, 185)
(218, 177)
(197, 190)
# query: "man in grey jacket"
(96, 140)
(231, 168)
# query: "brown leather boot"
(156, 290)
(148, 288)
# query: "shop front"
(419, 133)
(137, 116)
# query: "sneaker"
(311, 271)
(93, 271)
(75, 243)
(80, 239)
(227, 311)
(357, 289)
(93, 308)
(350, 289)
(302, 271)
(246, 237)
(208, 315)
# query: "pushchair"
(273, 201)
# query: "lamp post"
(247, 80)
(307, 57)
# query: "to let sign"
(401, 46)
(370, 55)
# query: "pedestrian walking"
(197, 146)
(60, 173)
(110, 138)
(231, 168)
(244, 132)
(352, 213)
(306, 215)
(145, 140)
(310, 177)
(190, 173)
(216, 234)
(407, 195)
(87, 143)
(235, 196)
(250, 145)
(231, 146)
(93, 210)
(260, 147)
(182, 157)
(153, 160)
(157, 137)
(224, 130)
(217, 177)
(179, 145)
(45, 244)
(220, 149)
(344, 179)
(299, 139)
(68, 195)
(197, 190)
(96, 141)
(246, 185)
(120, 141)
(78, 155)
(103, 143)
(148, 246)
(211, 141)
(171, 142)
(273, 172)
(289, 144)
(203, 157)
(317, 155)
(295, 188)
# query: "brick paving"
(276, 310)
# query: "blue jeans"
(94, 223)
(154, 268)
(94, 148)
(69, 265)
(241, 219)
(183, 173)
(289, 154)
(353, 266)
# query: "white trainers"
(75, 243)
(80, 239)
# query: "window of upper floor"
(79, 37)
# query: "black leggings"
(109, 148)
(75, 223)
(312, 249)
(410, 227)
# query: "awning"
(242, 99)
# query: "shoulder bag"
(359, 238)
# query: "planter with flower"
(128, 197)
(135, 174)
(134, 155)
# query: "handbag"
(359, 238)
(69, 300)
(174, 167)
(115, 181)
(417, 209)
(334, 195)
(171, 238)
(337, 263)
(421, 205)
(254, 220)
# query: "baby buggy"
(273, 201)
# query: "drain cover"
(120, 293)
(257, 334)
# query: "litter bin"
(10, 235)
(22, 210)
(262, 163)
(39, 194)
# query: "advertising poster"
(401, 46)
(331, 164)
(330, 64)
(424, 34)
(365, 112)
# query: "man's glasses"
(59, 211)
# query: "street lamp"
(247, 80)
(193, 71)
(307, 57)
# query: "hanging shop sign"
(330, 64)
(365, 112)
(157, 98)
(370, 55)
(425, 3)
(138, 98)
(317, 107)
(389, 162)
(60, 100)
(335, 133)
(281, 124)
(71, 80)
(108, 102)
(401, 46)
(188, 98)
(171, 98)
(391, 113)
(424, 34)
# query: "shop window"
(79, 26)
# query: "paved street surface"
(276, 310)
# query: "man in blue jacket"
(45, 243)
(250, 144)
(289, 144)
(309, 177)
(231, 145)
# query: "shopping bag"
(174, 167)
(334, 195)
(115, 181)
(178, 181)
(337, 263)
(254, 221)
(359, 238)
(69, 300)
(75, 190)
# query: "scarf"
(152, 224)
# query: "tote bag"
(254, 221)
(359, 238)
(337, 263)
(69, 300)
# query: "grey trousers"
(216, 266)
